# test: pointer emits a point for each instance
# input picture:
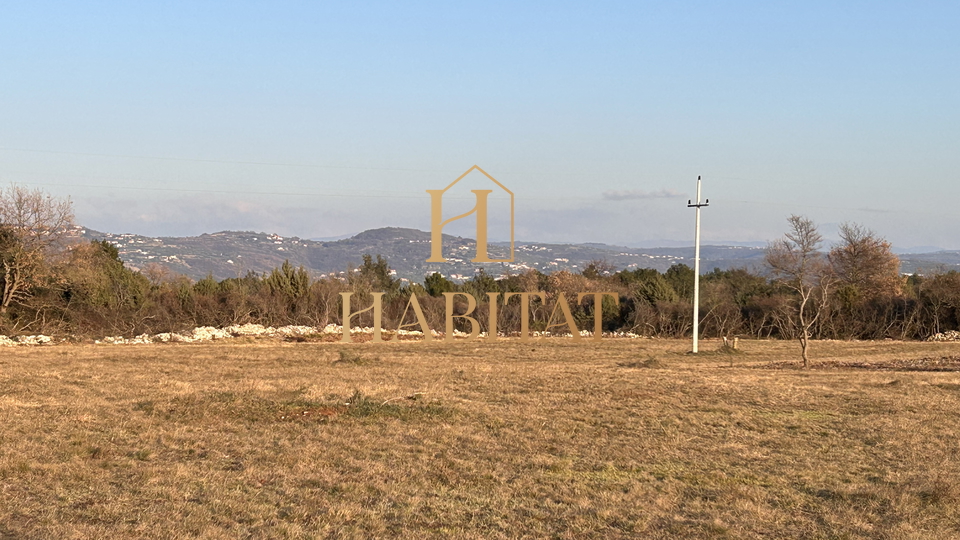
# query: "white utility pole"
(696, 268)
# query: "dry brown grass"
(626, 439)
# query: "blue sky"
(321, 119)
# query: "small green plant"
(363, 406)
(145, 407)
(360, 404)
(649, 363)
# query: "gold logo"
(480, 209)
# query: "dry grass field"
(622, 439)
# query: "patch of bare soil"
(942, 363)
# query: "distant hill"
(234, 253)
(939, 261)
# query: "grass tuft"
(726, 348)
(355, 358)
(360, 405)
(649, 363)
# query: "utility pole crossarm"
(696, 268)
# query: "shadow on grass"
(943, 363)
(649, 363)
(355, 359)
(252, 407)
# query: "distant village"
(224, 254)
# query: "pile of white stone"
(24, 340)
(210, 333)
(949, 335)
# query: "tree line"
(53, 284)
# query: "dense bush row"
(91, 292)
(50, 284)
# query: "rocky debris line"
(210, 333)
(949, 335)
(25, 340)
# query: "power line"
(270, 163)
(224, 191)
(221, 161)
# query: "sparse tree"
(940, 292)
(435, 284)
(680, 277)
(865, 264)
(158, 274)
(21, 268)
(796, 262)
(598, 268)
(287, 281)
(33, 224)
(375, 276)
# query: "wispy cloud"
(630, 194)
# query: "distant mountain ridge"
(234, 253)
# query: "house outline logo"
(480, 209)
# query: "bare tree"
(865, 262)
(940, 292)
(32, 224)
(157, 273)
(797, 263)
